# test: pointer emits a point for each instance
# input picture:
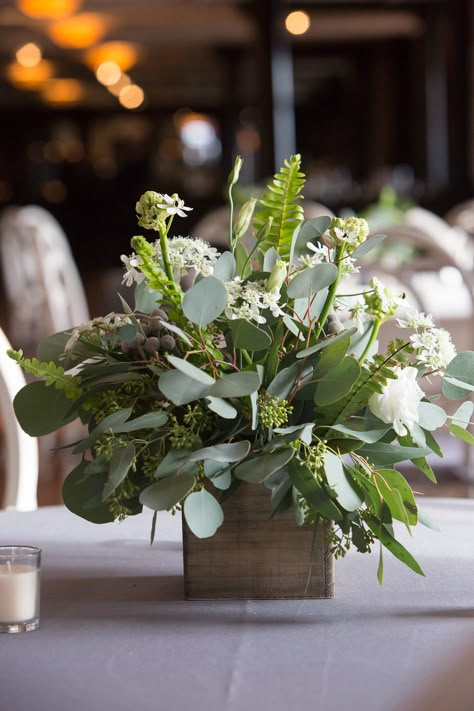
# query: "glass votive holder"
(20, 568)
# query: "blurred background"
(104, 99)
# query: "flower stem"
(165, 254)
(331, 294)
(373, 336)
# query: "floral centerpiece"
(265, 371)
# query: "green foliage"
(281, 204)
(53, 374)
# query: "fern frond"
(281, 203)
(52, 373)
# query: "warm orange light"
(62, 91)
(48, 9)
(29, 55)
(131, 97)
(122, 53)
(116, 88)
(29, 77)
(108, 73)
(297, 22)
(79, 31)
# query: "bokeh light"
(48, 9)
(29, 55)
(131, 97)
(108, 73)
(297, 22)
(80, 31)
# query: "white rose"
(399, 402)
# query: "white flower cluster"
(247, 299)
(320, 254)
(433, 346)
(111, 322)
(154, 208)
(187, 253)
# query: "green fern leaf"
(281, 204)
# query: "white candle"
(19, 586)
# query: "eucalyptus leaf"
(166, 493)
(225, 267)
(221, 407)
(218, 473)
(256, 469)
(310, 231)
(328, 342)
(122, 460)
(309, 310)
(175, 462)
(382, 453)
(181, 389)
(391, 544)
(79, 488)
(338, 481)
(247, 335)
(146, 299)
(304, 432)
(191, 371)
(367, 246)
(310, 281)
(310, 488)
(458, 379)
(398, 495)
(337, 382)
(460, 433)
(205, 301)
(175, 329)
(41, 409)
(270, 258)
(426, 520)
(151, 420)
(236, 384)
(203, 513)
(463, 414)
(116, 419)
(333, 355)
(430, 416)
(367, 436)
(231, 452)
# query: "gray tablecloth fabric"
(117, 634)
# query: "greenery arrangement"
(264, 371)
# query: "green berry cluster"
(272, 411)
(108, 443)
(123, 498)
(315, 457)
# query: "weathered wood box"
(251, 556)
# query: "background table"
(117, 634)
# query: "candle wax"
(18, 593)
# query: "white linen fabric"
(117, 633)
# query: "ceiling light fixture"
(29, 77)
(80, 31)
(124, 54)
(29, 55)
(297, 22)
(48, 9)
(131, 97)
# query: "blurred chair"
(462, 215)
(20, 462)
(44, 292)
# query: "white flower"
(131, 273)
(434, 348)
(398, 404)
(416, 319)
(348, 267)
(187, 253)
(247, 299)
(173, 205)
(381, 302)
(359, 315)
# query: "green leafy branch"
(52, 373)
(280, 204)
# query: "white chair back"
(42, 284)
(21, 460)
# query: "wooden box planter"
(251, 556)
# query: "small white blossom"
(434, 348)
(110, 322)
(173, 205)
(187, 253)
(381, 302)
(131, 273)
(348, 267)
(399, 403)
(246, 300)
(359, 315)
(416, 319)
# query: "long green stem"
(373, 336)
(165, 254)
(231, 220)
(331, 294)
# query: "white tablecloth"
(117, 634)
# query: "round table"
(116, 632)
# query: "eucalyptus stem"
(164, 252)
(373, 336)
(331, 294)
(246, 356)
